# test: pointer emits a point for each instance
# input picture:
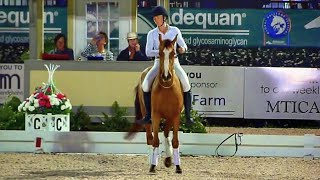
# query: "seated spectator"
(60, 42)
(97, 46)
(133, 51)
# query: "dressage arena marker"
(38, 145)
(307, 146)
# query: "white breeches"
(146, 85)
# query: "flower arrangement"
(47, 99)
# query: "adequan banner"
(240, 27)
(217, 91)
(11, 81)
(282, 93)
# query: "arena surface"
(93, 166)
(80, 166)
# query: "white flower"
(24, 108)
(68, 104)
(31, 98)
(20, 107)
(36, 103)
(27, 104)
(53, 95)
(23, 103)
(53, 101)
(31, 108)
(63, 107)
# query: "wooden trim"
(40, 28)
(134, 14)
(70, 22)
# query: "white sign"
(49, 122)
(282, 93)
(217, 91)
(11, 81)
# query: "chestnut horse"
(166, 103)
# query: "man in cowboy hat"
(132, 52)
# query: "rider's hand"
(181, 50)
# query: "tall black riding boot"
(187, 107)
(147, 102)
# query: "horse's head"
(166, 56)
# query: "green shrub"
(116, 122)
(10, 118)
(79, 120)
(198, 127)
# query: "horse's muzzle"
(166, 78)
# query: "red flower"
(42, 102)
(45, 97)
(40, 95)
(48, 105)
(49, 90)
(60, 96)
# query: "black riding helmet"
(159, 10)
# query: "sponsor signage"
(282, 93)
(241, 27)
(217, 91)
(14, 23)
(11, 81)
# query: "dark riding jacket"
(138, 56)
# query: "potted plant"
(47, 108)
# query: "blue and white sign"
(277, 24)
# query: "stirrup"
(190, 122)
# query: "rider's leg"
(186, 91)
(146, 86)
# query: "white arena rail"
(190, 144)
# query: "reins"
(237, 143)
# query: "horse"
(166, 103)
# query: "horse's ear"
(160, 38)
(175, 39)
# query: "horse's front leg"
(156, 151)
(167, 143)
(149, 136)
(175, 144)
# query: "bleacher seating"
(252, 57)
(12, 53)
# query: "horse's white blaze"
(166, 62)
(168, 147)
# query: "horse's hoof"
(178, 169)
(152, 169)
(167, 162)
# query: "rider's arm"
(150, 51)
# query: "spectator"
(96, 48)
(133, 51)
(60, 43)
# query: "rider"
(160, 16)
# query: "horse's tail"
(138, 115)
(137, 105)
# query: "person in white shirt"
(160, 16)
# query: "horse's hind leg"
(167, 143)
(175, 144)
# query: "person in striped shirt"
(97, 48)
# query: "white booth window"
(103, 16)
